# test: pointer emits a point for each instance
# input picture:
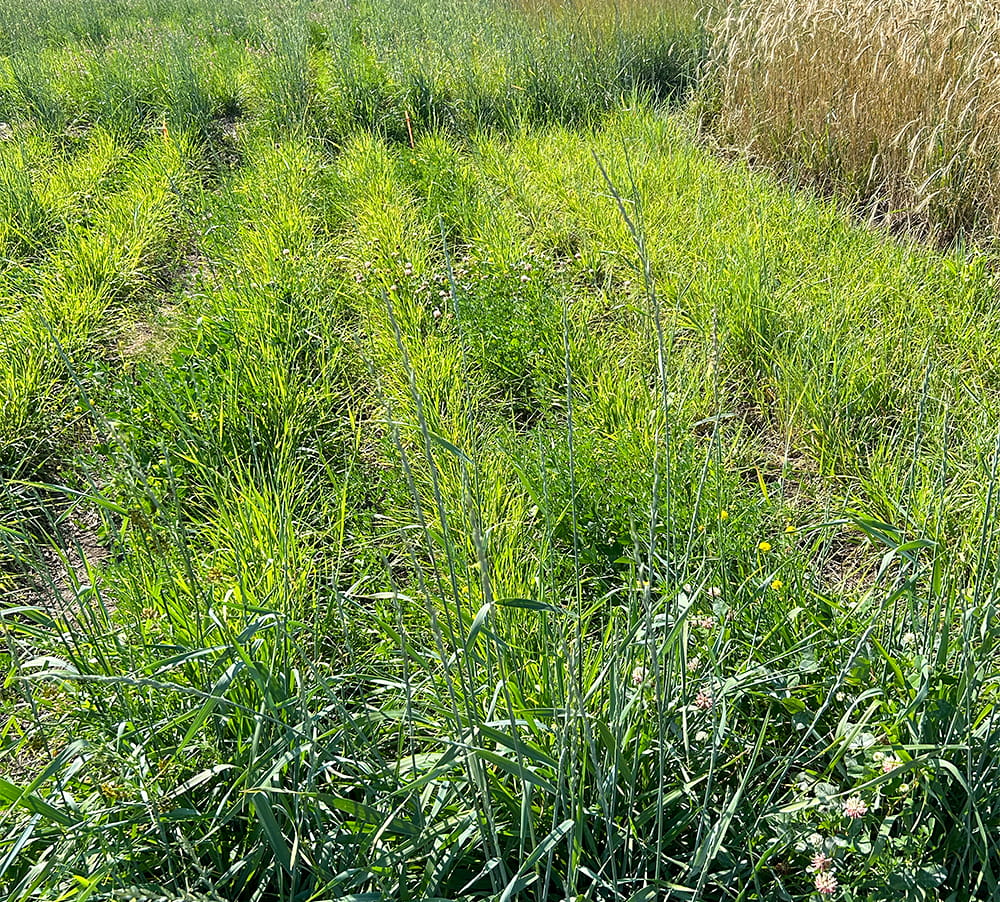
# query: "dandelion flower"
(855, 807)
(723, 515)
(826, 883)
(777, 584)
(764, 546)
(789, 528)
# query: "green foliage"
(329, 67)
(532, 508)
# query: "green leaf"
(15, 796)
(522, 879)
(517, 770)
(478, 624)
(265, 814)
(527, 604)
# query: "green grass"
(329, 66)
(539, 509)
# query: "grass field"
(428, 473)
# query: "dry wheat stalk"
(896, 102)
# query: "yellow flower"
(777, 584)
(723, 515)
(789, 528)
(764, 546)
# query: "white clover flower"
(855, 807)
(826, 883)
(890, 763)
